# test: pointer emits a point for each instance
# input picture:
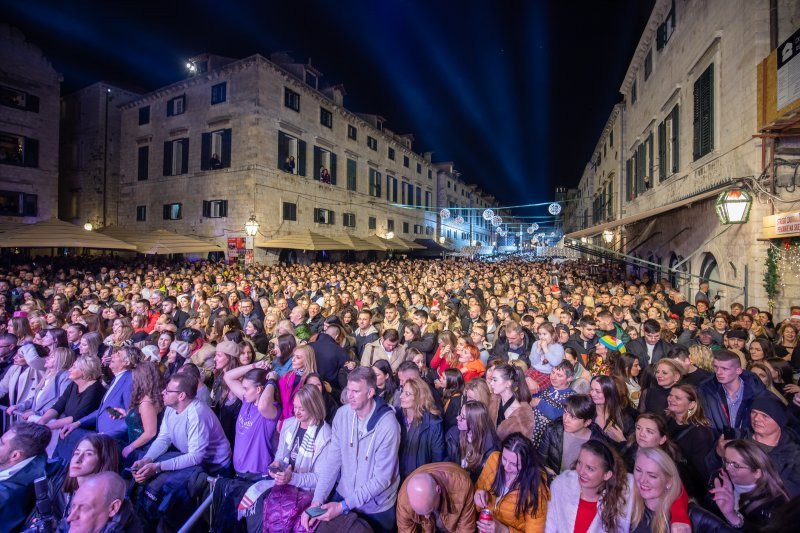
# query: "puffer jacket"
(552, 445)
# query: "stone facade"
(29, 114)
(89, 154)
(257, 114)
(689, 127)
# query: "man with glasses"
(649, 348)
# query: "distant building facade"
(29, 115)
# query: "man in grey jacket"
(364, 451)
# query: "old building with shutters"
(29, 115)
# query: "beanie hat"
(738, 334)
(771, 408)
(229, 348)
(151, 353)
(181, 348)
(612, 343)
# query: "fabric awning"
(411, 244)
(357, 244)
(595, 230)
(54, 233)
(304, 240)
(388, 244)
(161, 241)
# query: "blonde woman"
(656, 487)
(49, 389)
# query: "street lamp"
(441, 239)
(608, 236)
(390, 235)
(733, 206)
(251, 226)
(88, 226)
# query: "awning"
(595, 230)
(411, 244)
(395, 243)
(54, 233)
(304, 240)
(433, 246)
(161, 241)
(357, 244)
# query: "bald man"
(99, 504)
(436, 497)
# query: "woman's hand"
(481, 499)
(615, 433)
(723, 497)
(283, 478)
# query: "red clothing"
(679, 511)
(586, 513)
(439, 363)
(473, 369)
(152, 318)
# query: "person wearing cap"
(769, 418)
(737, 339)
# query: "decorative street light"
(88, 226)
(608, 236)
(444, 213)
(733, 206)
(488, 215)
(441, 239)
(554, 208)
(251, 226)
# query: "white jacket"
(565, 493)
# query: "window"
(173, 211)
(349, 220)
(215, 208)
(311, 79)
(325, 117)
(430, 174)
(324, 166)
(419, 168)
(176, 106)
(372, 143)
(704, 113)
(418, 229)
(405, 227)
(428, 199)
(219, 93)
(141, 213)
(143, 163)
(289, 211)
(374, 183)
(19, 99)
(18, 204)
(352, 178)
(648, 64)
(668, 160)
(633, 92)
(391, 153)
(666, 29)
(144, 115)
(352, 132)
(323, 216)
(648, 178)
(291, 99)
(390, 225)
(406, 162)
(176, 157)
(418, 202)
(215, 152)
(18, 150)
(611, 138)
(291, 154)
(372, 223)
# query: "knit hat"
(555, 289)
(151, 353)
(738, 334)
(181, 348)
(229, 348)
(771, 408)
(612, 343)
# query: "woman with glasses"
(747, 490)
(472, 440)
(421, 434)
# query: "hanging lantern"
(496, 221)
(459, 219)
(251, 226)
(608, 236)
(554, 208)
(444, 213)
(488, 215)
(733, 206)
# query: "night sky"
(515, 92)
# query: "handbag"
(283, 509)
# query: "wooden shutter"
(333, 169)
(650, 160)
(144, 161)
(225, 156)
(704, 113)
(662, 151)
(317, 160)
(32, 103)
(282, 144)
(301, 157)
(166, 211)
(168, 158)
(31, 153)
(675, 138)
(185, 156)
(205, 151)
(223, 208)
(206, 209)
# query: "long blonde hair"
(661, 516)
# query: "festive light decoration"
(459, 219)
(554, 208)
(530, 230)
(444, 213)
(535, 226)
(251, 226)
(488, 215)
(496, 221)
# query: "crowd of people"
(402, 395)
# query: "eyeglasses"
(167, 391)
(736, 466)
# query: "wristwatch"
(158, 468)
(345, 507)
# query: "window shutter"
(144, 161)
(704, 113)
(650, 159)
(166, 211)
(32, 103)
(167, 159)
(675, 138)
(317, 159)
(31, 153)
(170, 107)
(225, 156)
(333, 169)
(185, 156)
(223, 208)
(661, 36)
(662, 151)
(301, 157)
(331, 217)
(628, 180)
(206, 208)
(282, 155)
(641, 168)
(205, 152)
(30, 206)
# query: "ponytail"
(516, 375)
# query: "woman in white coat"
(596, 496)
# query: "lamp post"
(251, 226)
(733, 206)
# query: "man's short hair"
(565, 366)
(30, 438)
(679, 351)
(586, 321)
(605, 314)
(580, 406)
(391, 335)
(112, 485)
(144, 302)
(367, 312)
(651, 326)
(171, 299)
(185, 383)
(421, 313)
(724, 356)
(363, 373)
(408, 366)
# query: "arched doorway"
(675, 278)
(709, 270)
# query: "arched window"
(709, 270)
(675, 278)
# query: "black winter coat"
(715, 405)
(552, 445)
(420, 444)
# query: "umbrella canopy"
(357, 244)
(161, 241)
(388, 244)
(304, 240)
(411, 244)
(56, 233)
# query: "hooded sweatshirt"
(368, 464)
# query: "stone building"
(689, 133)
(29, 114)
(89, 154)
(263, 138)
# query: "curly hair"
(147, 381)
(616, 488)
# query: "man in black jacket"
(22, 460)
(514, 342)
(584, 339)
(649, 348)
